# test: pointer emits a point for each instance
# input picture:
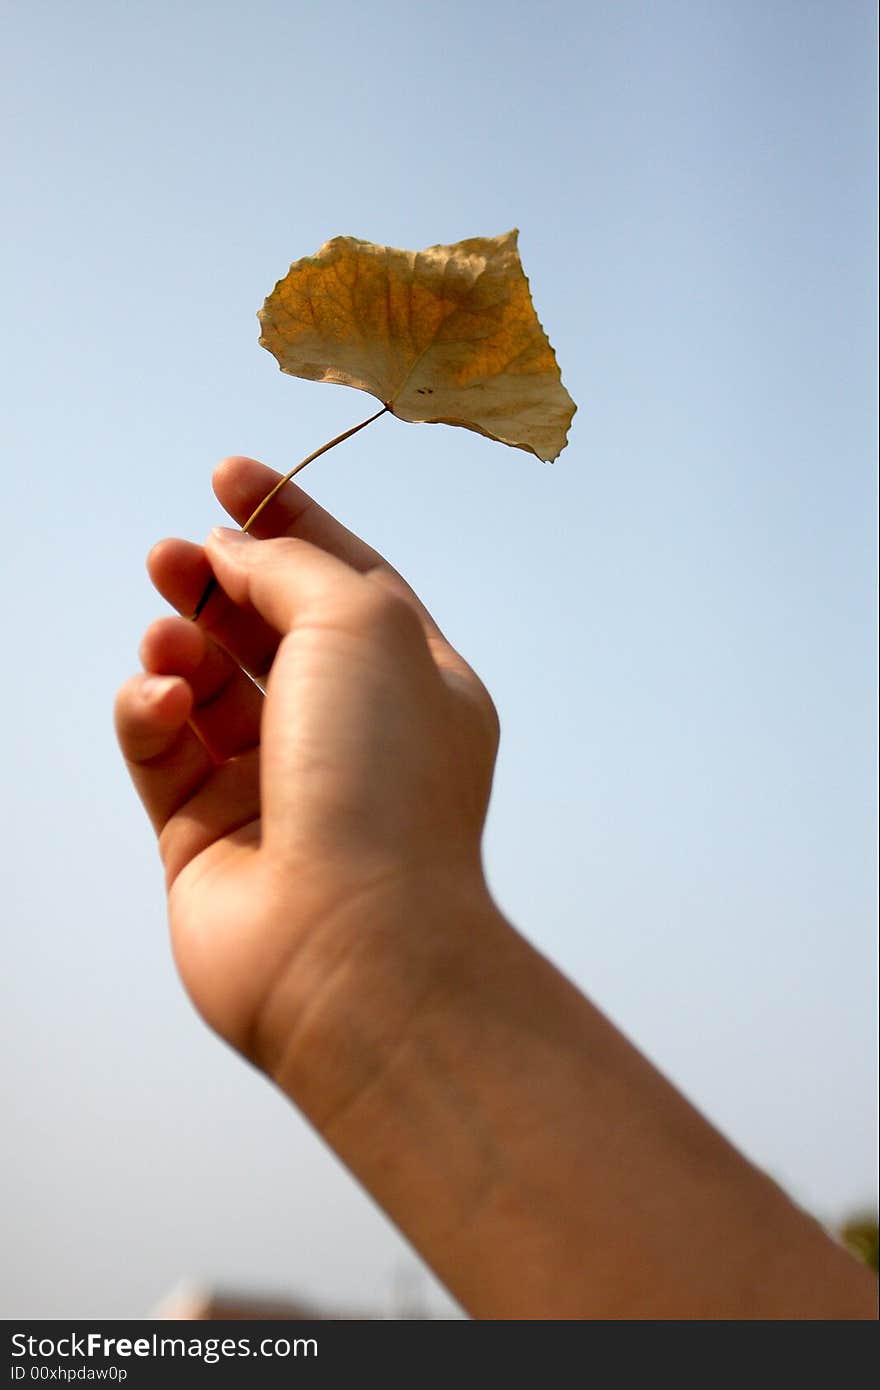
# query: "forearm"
(330, 919)
(540, 1165)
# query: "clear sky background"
(676, 619)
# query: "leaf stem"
(331, 444)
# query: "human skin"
(330, 919)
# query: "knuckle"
(124, 701)
(485, 721)
(492, 720)
(388, 611)
(273, 556)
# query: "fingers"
(227, 804)
(227, 706)
(180, 571)
(191, 801)
(240, 484)
(284, 581)
(167, 762)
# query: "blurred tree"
(859, 1235)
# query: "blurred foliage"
(859, 1235)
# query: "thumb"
(282, 578)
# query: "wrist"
(366, 981)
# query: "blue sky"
(676, 619)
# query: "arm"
(330, 918)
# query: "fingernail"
(227, 536)
(154, 688)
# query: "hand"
(330, 918)
(314, 840)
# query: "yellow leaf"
(445, 336)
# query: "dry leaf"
(447, 336)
